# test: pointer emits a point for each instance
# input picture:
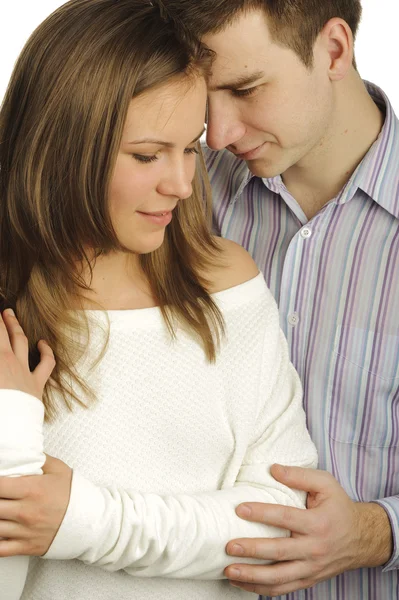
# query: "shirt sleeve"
(21, 453)
(391, 506)
(183, 535)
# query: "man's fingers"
(18, 340)
(46, 365)
(11, 548)
(12, 488)
(11, 530)
(14, 346)
(273, 549)
(285, 517)
(299, 478)
(273, 576)
(9, 511)
(54, 465)
(274, 592)
(248, 587)
(5, 345)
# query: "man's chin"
(264, 169)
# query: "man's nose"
(224, 127)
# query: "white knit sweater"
(168, 451)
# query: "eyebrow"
(240, 82)
(162, 142)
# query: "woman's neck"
(118, 283)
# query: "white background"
(377, 48)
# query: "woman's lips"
(161, 218)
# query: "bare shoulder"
(234, 266)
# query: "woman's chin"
(146, 244)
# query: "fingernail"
(10, 312)
(237, 550)
(244, 511)
(234, 572)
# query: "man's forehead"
(247, 35)
(232, 80)
(239, 59)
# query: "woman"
(172, 392)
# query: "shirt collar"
(377, 175)
(242, 176)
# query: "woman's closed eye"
(145, 159)
(142, 158)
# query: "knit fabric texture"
(168, 450)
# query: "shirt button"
(293, 319)
(306, 233)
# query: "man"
(303, 162)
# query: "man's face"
(264, 105)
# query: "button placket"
(293, 319)
(306, 233)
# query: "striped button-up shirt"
(336, 280)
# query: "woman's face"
(156, 162)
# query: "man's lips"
(250, 154)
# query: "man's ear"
(337, 40)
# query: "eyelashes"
(144, 159)
(243, 93)
(141, 158)
(191, 151)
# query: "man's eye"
(242, 93)
(144, 159)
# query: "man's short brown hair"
(293, 23)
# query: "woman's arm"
(21, 453)
(183, 535)
(21, 437)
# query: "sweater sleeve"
(184, 535)
(21, 453)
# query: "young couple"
(171, 394)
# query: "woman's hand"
(32, 509)
(14, 364)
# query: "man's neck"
(321, 175)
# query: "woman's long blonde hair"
(61, 124)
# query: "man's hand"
(334, 535)
(32, 509)
(14, 361)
